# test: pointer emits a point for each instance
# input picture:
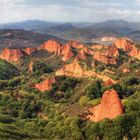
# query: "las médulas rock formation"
(101, 57)
(128, 46)
(58, 49)
(74, 44)
(124, 44)
(135, 52)
(99, 47)
(108, 57)
(112, 52)
(109, 82)
(67, 53)
(52, 47)
(81, 55)
(110, 107)
(29, 51)
(75, 70)
(46, 85)
(11, 55)
(31, 66)
(125, 70)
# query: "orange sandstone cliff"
(112, 52)
(75, 70)
(52, 47)
(29, 51)
(125, 44)
(11, 55)
(67, 53)
(45, 85)
(104, 59)
(110, 107)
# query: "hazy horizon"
(69, 10)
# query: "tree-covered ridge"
(7, 70)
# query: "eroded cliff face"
(58, 49)
(126, 70)
(101, 57)
(75, 44)
(109, 82)
(112, 52)
(128, 46)
(110, 107)
(135, 52)
(52, 47)
(75, 70)
(125, 44)
(11, 55)
(29, 51)
(81, 55)
(67, 53)
(31, 66)
(72, 69)
(99, 47)
(46, 85)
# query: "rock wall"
(46, 85)
(110, 107)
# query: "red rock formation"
(29, 51)
(99, 47)
(109, 82)
(67, 53)
(11, 55)
(81, 55)
(104, 59)
(75, 70)
(58, 49)
(31, 66)
(45, 85)
(125, 44)
(135, 52)
(75, 44)
(113, 52)
(88, 51)
(52, 47)
(126, 70)
(110, 107)
(128, 46)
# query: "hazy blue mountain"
(29, 25)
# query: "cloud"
(67, 10)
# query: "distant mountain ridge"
(84, 31)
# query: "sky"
(69, 10)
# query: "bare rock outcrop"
(104, 59)
(52, 47)
(29, 51)
(109, 82)
(99, 47)
(46, 85)
(113, 51)
(74, 69)
(110, 107)
(81, 55)
(135, 52)
(67, 53)
(125, 44)
(75, 44)
(126, 70)
(31, 66)
(11, 55)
